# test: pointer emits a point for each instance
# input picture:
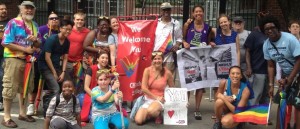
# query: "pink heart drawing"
(171, 113)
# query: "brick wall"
(273, 7)
(12, 7)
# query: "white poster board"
(202, 67)
(175, 110)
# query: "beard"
(28, 17)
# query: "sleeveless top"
(240, 91)
(97, 43)
(223, 39)
(195, 37)
(157, 85)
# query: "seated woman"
(90, 82)
(155, 79)
(104, 98)
(231, 93)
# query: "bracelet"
(113, 91)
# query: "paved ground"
(205, 123)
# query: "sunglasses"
(103, 71)
(157, 53)
(103, 17)
(168, 9)
(238, 22)
(53, 18)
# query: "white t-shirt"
(162, 32)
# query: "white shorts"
(149, 101)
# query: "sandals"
(10, 123)
(159, 120)
(197, 115)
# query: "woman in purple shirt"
(195, 34)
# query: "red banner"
(135, 45)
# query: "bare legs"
(143, 113)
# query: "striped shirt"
(63, 110)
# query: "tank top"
(240, 91)
(195, 37)
(157, 84)
(223, 39)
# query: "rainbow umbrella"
(282, 109)
(29, 70)
(38, 96)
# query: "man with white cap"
(21, 38)
(168, 27)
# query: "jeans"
(101, 122)
(59, 123)
(258, 83)
(53, 87)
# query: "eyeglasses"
(157, 53)
(67, 29)
(103, 17)
(53, 18)
(270, 28)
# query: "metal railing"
(181, 9)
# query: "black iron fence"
(181, 9)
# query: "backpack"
(58, 100)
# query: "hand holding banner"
(135, 43)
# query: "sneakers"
(217, 125)
(197, 115)
(30, 110)
(1, 106)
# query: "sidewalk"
(206, 123)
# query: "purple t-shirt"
(195, 37)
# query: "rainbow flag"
(78, 73)
(167, 45)
(256, 114)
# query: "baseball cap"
(28, 3)
(165, 5)
(238, 18)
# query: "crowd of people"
(70, 57)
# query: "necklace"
(103, 35)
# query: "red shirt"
(76, 39)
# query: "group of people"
(68, 56)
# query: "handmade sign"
(204, 66)
(175, 107)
